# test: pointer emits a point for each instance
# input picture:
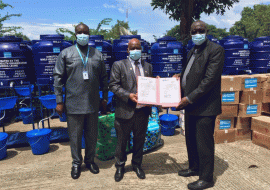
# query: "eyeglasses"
(196, 31)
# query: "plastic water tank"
(98, 42)
(120, 47)
(14, 69)
(236, 55)
(260, 55)
(167, 56)
(45, 55)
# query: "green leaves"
(255, 22)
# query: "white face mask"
(82, 39)
(198, 39)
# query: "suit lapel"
(130, 70)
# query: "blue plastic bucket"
(24, 91)
(39, 140)
(48, 101)
(168, 122)
(8, 102)
(27, 116)
(3, 145)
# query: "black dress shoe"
(200, 184)
(75, 172)
(119, 174)
(93, 168)
(140, 173)
(188, 173)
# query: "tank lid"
(52, 37)
(96, 37)
(167, 38)
(38, 132)
(10, 39)
(168, 117)
(128, 37)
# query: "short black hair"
(79, 25)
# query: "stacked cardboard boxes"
(261, 131)
(242, 97)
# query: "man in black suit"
(128, 114)
(201, 90)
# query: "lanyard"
(84, 62)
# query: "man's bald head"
(82, 29)
(134, 44)
(198, 27)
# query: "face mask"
(198, 39)
(82, 39)
(135, 54)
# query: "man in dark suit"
(128, 115)
(81, 70)
(201, 90)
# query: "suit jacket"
(122, 83)
(203, 82)
(82, 96)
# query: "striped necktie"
(137, 70)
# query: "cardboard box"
(231, 83)
(243, 123)
(224, 123)
(266, 83)
(252, 110)
(242, 134)
(261, 124)
(261, 139)
(266, 95)
(229, 110)
(230, 97)
(251, 97)
(252, 82)
(224, 136)
(266, 107)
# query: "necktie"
(137, 70)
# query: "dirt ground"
(23, 170)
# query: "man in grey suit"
(81, 70)
(201, 90)
(128, 114)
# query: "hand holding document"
(159, 91)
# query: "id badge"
(85, 75)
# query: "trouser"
(76, 124)
(199, 131)
(138, 124)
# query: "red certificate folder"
(163, 92)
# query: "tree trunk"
(186, 21)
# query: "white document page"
(147, 89)
(169, 90)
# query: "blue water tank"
(236, 55)
(45, 55)
(167, 56)
(260, 55)
(120, 47)
(15, 62)
(98, 42)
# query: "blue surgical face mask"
(82, 39)
(135, 54)
(198, 39)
